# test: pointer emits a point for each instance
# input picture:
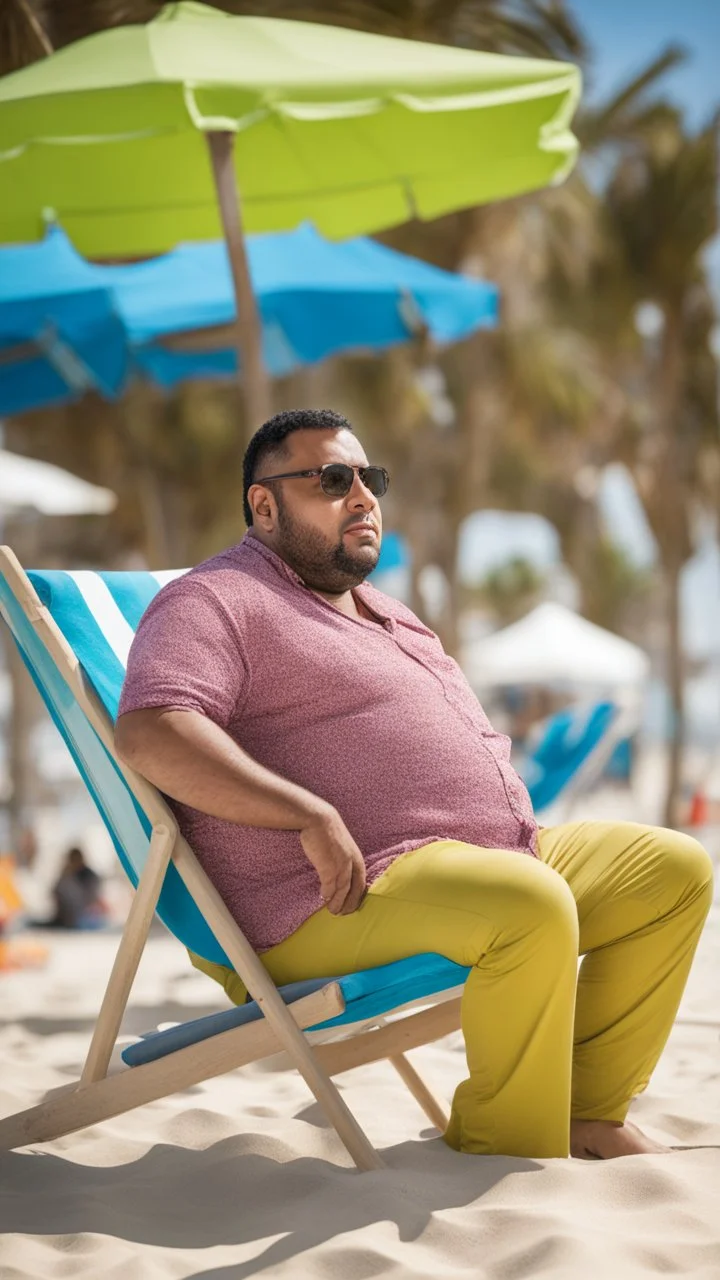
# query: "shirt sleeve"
(187, 654)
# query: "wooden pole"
(254, 380)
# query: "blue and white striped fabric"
(98, 614)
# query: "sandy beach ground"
(242, 1176)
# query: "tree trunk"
(18, 743)
(22, 535)
(446, 558)
(676, 690)
(158, 538)
(412, 530)
(671, 527)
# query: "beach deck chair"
(74, 630)
(568, 751)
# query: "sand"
(242, 1177)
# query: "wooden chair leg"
(436, 1113)
(262, 989)
(128, 956)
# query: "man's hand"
(337, 860)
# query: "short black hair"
(271, 436)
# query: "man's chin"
(362, 562)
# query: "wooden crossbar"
(76, 1107)
(391, 1039)
(101, 1099)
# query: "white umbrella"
(553, 645)
(29, 485)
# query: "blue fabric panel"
(132, 593)
(394, 554)
(372, 992)
(50, 295)
(127, 825)
(619, 766)
(191, 287)
(168, 368)
(315, 299)
(35, 273)
(569, 738)
(32, 384)
(158, 1044)
(368, 994)
(59, 593)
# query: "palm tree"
(530, 27)
(663, 212)
(508, 591)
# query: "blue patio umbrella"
(315, 299)
(60, 332)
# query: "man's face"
(331, 543)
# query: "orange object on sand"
(15, 953)
(698, 816)
(10, 896)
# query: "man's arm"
(192, 759)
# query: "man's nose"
(360, 497)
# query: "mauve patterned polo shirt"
(374, 718)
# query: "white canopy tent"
(554, 646)
(29, 485)
(29, 489)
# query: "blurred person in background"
(77, 894)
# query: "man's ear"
(264, 507)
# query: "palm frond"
(70, 20)
(613, 119)
(664, 211)
(22, 36)
(535, 28)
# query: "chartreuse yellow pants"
(543, 1044)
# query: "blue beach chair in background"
(569, 751)
(74, 631)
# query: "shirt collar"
(253, 543)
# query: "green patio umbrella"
(144, 136)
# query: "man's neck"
(344, 603)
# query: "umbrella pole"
(253, 376)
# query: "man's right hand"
(192, 759)
(339, 863)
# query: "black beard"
(321, 566)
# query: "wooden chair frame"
(98, 1095)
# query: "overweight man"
(345, 792)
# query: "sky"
(626, 35)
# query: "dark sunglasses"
(336, 478)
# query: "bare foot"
(604, 1140)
